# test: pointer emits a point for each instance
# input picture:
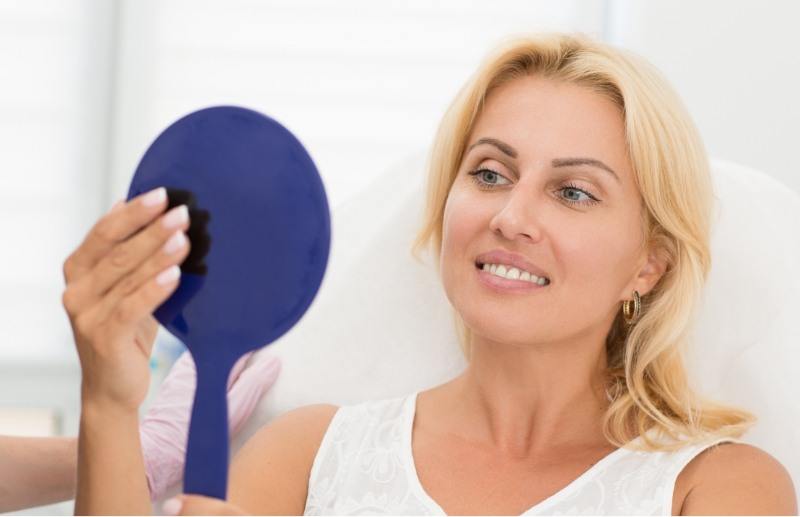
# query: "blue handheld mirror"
(260, 234)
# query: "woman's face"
(578, 224)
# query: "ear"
(650, 272)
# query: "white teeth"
(513, 273)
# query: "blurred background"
(86, 85)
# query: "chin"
(496, 331)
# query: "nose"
(517, 218)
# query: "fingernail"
(175, 243)
(176, 217)
(172, 506)
(154, 197)
(169, 275)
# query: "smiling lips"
(512, 273)
(505, 285)
(506, 272)
(511, 266)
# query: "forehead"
(545, 118)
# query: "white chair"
(381, 325)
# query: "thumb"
(249, 387)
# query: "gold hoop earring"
(632, 316)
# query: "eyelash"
(489, 186)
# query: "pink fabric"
(164, 429)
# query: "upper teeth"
(514, 273)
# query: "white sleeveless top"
(364, 465)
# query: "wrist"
(100, 408)
(92, 396)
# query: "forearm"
(36, 471)
(111, 473)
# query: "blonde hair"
(646, 377)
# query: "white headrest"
(746, 346)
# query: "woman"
(568, 206)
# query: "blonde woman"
(568, 206)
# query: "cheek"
(462, 225)
(462, 220)
(598, 261)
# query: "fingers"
(117, 225)
(129, 264)
(156, 248)
(190, 504)
(120, 310)
(115, 318)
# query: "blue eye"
(476, 177)
(481, 175)
(589, 200)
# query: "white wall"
(737, 67)
(55, 61)
(361, 83)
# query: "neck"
(524, 401)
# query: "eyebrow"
(557, 162)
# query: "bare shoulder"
(738, 479)
(269, 475)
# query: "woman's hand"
(190, 504)
(124, 269)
